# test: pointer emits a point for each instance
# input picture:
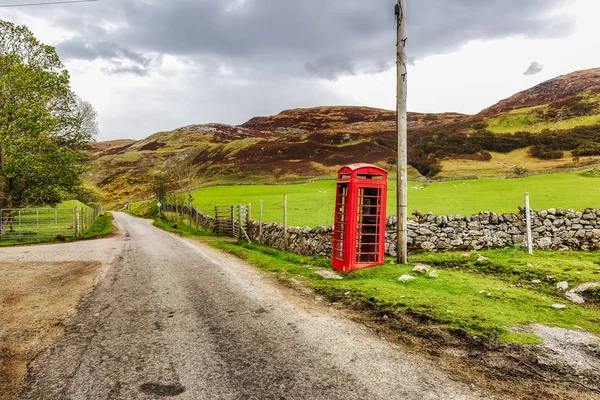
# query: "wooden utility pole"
(402, 158)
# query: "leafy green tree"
(43, 126)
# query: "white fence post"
(77, 227)
(528, 215)
(260, 223)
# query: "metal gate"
(229, 220)
(29, 223)
(224, 217)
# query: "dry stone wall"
(305, 241)
(551, 229)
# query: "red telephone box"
(360, 217)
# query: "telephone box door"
(360, 218)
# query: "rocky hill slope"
(555, 124)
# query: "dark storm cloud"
(326, 39)
(122, 60)
(534, 69)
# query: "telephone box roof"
(359, 166)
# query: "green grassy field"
(312, 204)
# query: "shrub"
(520, 170)
(589, 150)
(85, 195)
(479, 126)
(485, 156)
(545, 153)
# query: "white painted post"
(77, 228)
(529, 234)
(260, 223)
(285, 235)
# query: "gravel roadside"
(41, 287)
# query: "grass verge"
(101, 227)
(484, 299)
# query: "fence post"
(528, 215)
(240, 229)
(285, 233)
(77, 228)
(233, 221)
(260, 223)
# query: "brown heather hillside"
(559, 88)
(346, 118)
(295, 144)
(553, 125)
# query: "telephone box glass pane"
(339, 236)
(369, 225)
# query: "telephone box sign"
(360, 217)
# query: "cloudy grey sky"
(152, 65)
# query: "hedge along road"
(176, 318)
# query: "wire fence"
(23, 224)
(300, 210)
(228, 220)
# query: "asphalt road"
(175, 319)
